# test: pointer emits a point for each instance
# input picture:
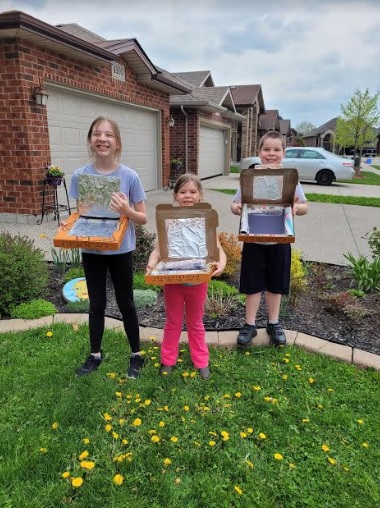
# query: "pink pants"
(176, 297)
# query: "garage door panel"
(69, 118)
(212, 152)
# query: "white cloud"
(308, 56)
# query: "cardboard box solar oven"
(267, 194)
(187, 239)
(96, 226)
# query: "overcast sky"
(309, 56)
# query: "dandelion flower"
(77, 482)
(249, 463)
(238, 490)
(43, 450)
(278, 456)
(330, 390)
(155, 439)
(291, 465)
(186, 408)
(360, 422)
(256, 388)
(55, 425)
(365, 445)
(262, 435)
(298, 367)
(250, 430)
(147, 402)
(137, 422)
(161, 424)
(122, 421)
(238, 395)
(225, 435)
(212, 443)
(108, 428)
(167, 462)
(311, 380)
(115, 435)
(306, 420)
(118, 394)
(83, 455)
(174, 439)
(87, 464)
(332, 460)
(243, 434)
(185, 374)
(118, 479)
(177, 481)
(124, 441)
(285, 377)
(286, 360)
(86, 440)
(49, 334)
(111, 375)
(66, 474)
(325, 448)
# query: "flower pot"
(55, 181)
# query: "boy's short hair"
(272, 135)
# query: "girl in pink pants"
(177, 297)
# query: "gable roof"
(197, 79)
(269, 121)
(284, 126)
(81, 32)
(245, 96)
(330, 125)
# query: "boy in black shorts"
(266, 266)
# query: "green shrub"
(80, 307)
(33, 310)
(365, 272)
(24, 273)
(139, 283)
(374, 242)
(221, 287)
(144, 298)
(145, 243)
(298, 275)
(232, 249)
(74, 273)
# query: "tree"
(304, 127)
(356, 126)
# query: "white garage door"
(212, 152)
(70, 116)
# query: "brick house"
(85, 76)
(204, 135)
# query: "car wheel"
(325, 177)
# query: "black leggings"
(120, 269)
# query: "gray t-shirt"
(131, 185)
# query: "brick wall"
(24, 149)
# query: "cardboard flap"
(268, 185)
(165, 213)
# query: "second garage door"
(212, 152)
(69, 117)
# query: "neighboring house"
(323, 136)
(287, 132)
(269, 121)
(204, 133)
(85, 76)
(249, 102)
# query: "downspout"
(186, 136)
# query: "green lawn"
(270, 428)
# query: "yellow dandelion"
(186, 408)
(152, 431)
(325, 447)
(306, 420)
(111, 375)
(122, 421)
(278, 456)
(225, 435)
(247, 353)
(185, 374)
(311, 380)
(330, 390)
(115, 435)
(249, 463)
(66, 474)
(108, 427)
(161, 424)
(291, 465)
(262, 435)
(288, 354)
(331, 461)
(212, 443)
(320, 406)
(250, 430)
(192, 374)
(118, 479)
(107, 417)
(137, 422)
(360, 422)
(167, 462)
(49, 334)
(77, 482)
(55, 425)
(86, 440)
(286, 360)
(346, 468)
(118, 394)
(285, 377)
(238, 395)
(87, 464)
(83, 455)
(174, 439)
(256, 388)
(243, 434)
(298, 367)
(238, 490)
(43, 450)
(147, 402)
(124, 441)
(177, 481)
(365, 444)
(155, 439)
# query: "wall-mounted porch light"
(40, 96)
(171, 121)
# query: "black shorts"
(265, 268)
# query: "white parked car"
(313, 164)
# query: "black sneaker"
(136, 363)
(246, 334)
(89, 366)
(276, 334)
